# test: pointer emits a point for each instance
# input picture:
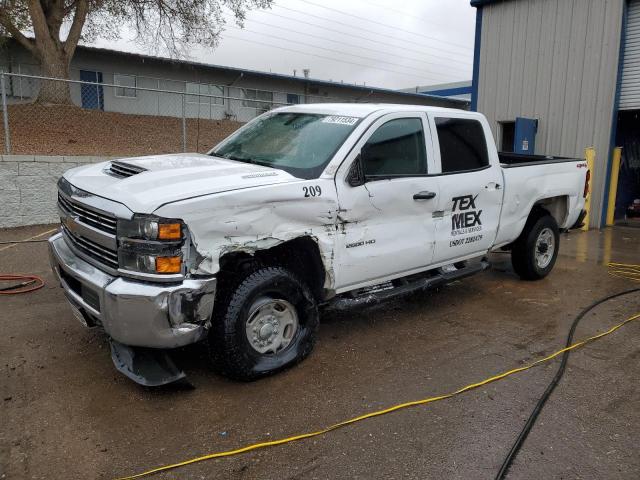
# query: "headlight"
(152, 245)
(150, 228)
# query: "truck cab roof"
(361, 110)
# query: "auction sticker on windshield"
(340, 120)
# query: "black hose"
(502, 473)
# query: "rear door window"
(462, 144)
(396, 148)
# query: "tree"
(169, 25)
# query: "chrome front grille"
(88, 215)
(92, 249)
(124, 170)
(89, 225)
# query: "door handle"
(424, 195)
(495, 186)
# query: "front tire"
(534, 253)
(265, 324)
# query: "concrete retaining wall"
(28, 192)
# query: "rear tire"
(266, 323)
(534, 253)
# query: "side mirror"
(355, 178)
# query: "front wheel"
(535, 251)
(266, 323)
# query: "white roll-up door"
(630, 86)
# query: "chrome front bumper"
(135, 313)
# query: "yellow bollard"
(613, 185)
(590, 157)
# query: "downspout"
(476, 61)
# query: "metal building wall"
(557, 61)
(630, 84)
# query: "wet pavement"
(66, 413)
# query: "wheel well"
(301, 256)
(554, 206)
(557, 207)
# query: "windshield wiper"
(258, 162)
(245, 160)
(228, 157)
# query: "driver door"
(385, 224)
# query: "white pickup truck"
(310, 206)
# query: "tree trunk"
(54, 64)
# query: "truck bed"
(558, 178)
(515, 160)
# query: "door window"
(396, 148)
(462, 144)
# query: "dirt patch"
(69, 130)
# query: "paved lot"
(66, 413)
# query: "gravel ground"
(66, 413)
(62, 130)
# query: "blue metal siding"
(480, 3)
(448, 92)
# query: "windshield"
(299, 143)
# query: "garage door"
(630, 87)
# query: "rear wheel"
(534, 253)
(266, 323)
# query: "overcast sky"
(382, 43)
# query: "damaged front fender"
(255, 219)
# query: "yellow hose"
(11, 245)
(424, 401)
(625, 270)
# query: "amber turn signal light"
(169, 231)
(169, 264)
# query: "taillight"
(587, 181)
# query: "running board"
(381, 293)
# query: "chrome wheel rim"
(271, 325)
(545, 248)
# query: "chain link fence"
(132, 116)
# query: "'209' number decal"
(313, 191)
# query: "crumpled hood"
(169, 178)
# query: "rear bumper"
(133, 312)
(579, 223)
